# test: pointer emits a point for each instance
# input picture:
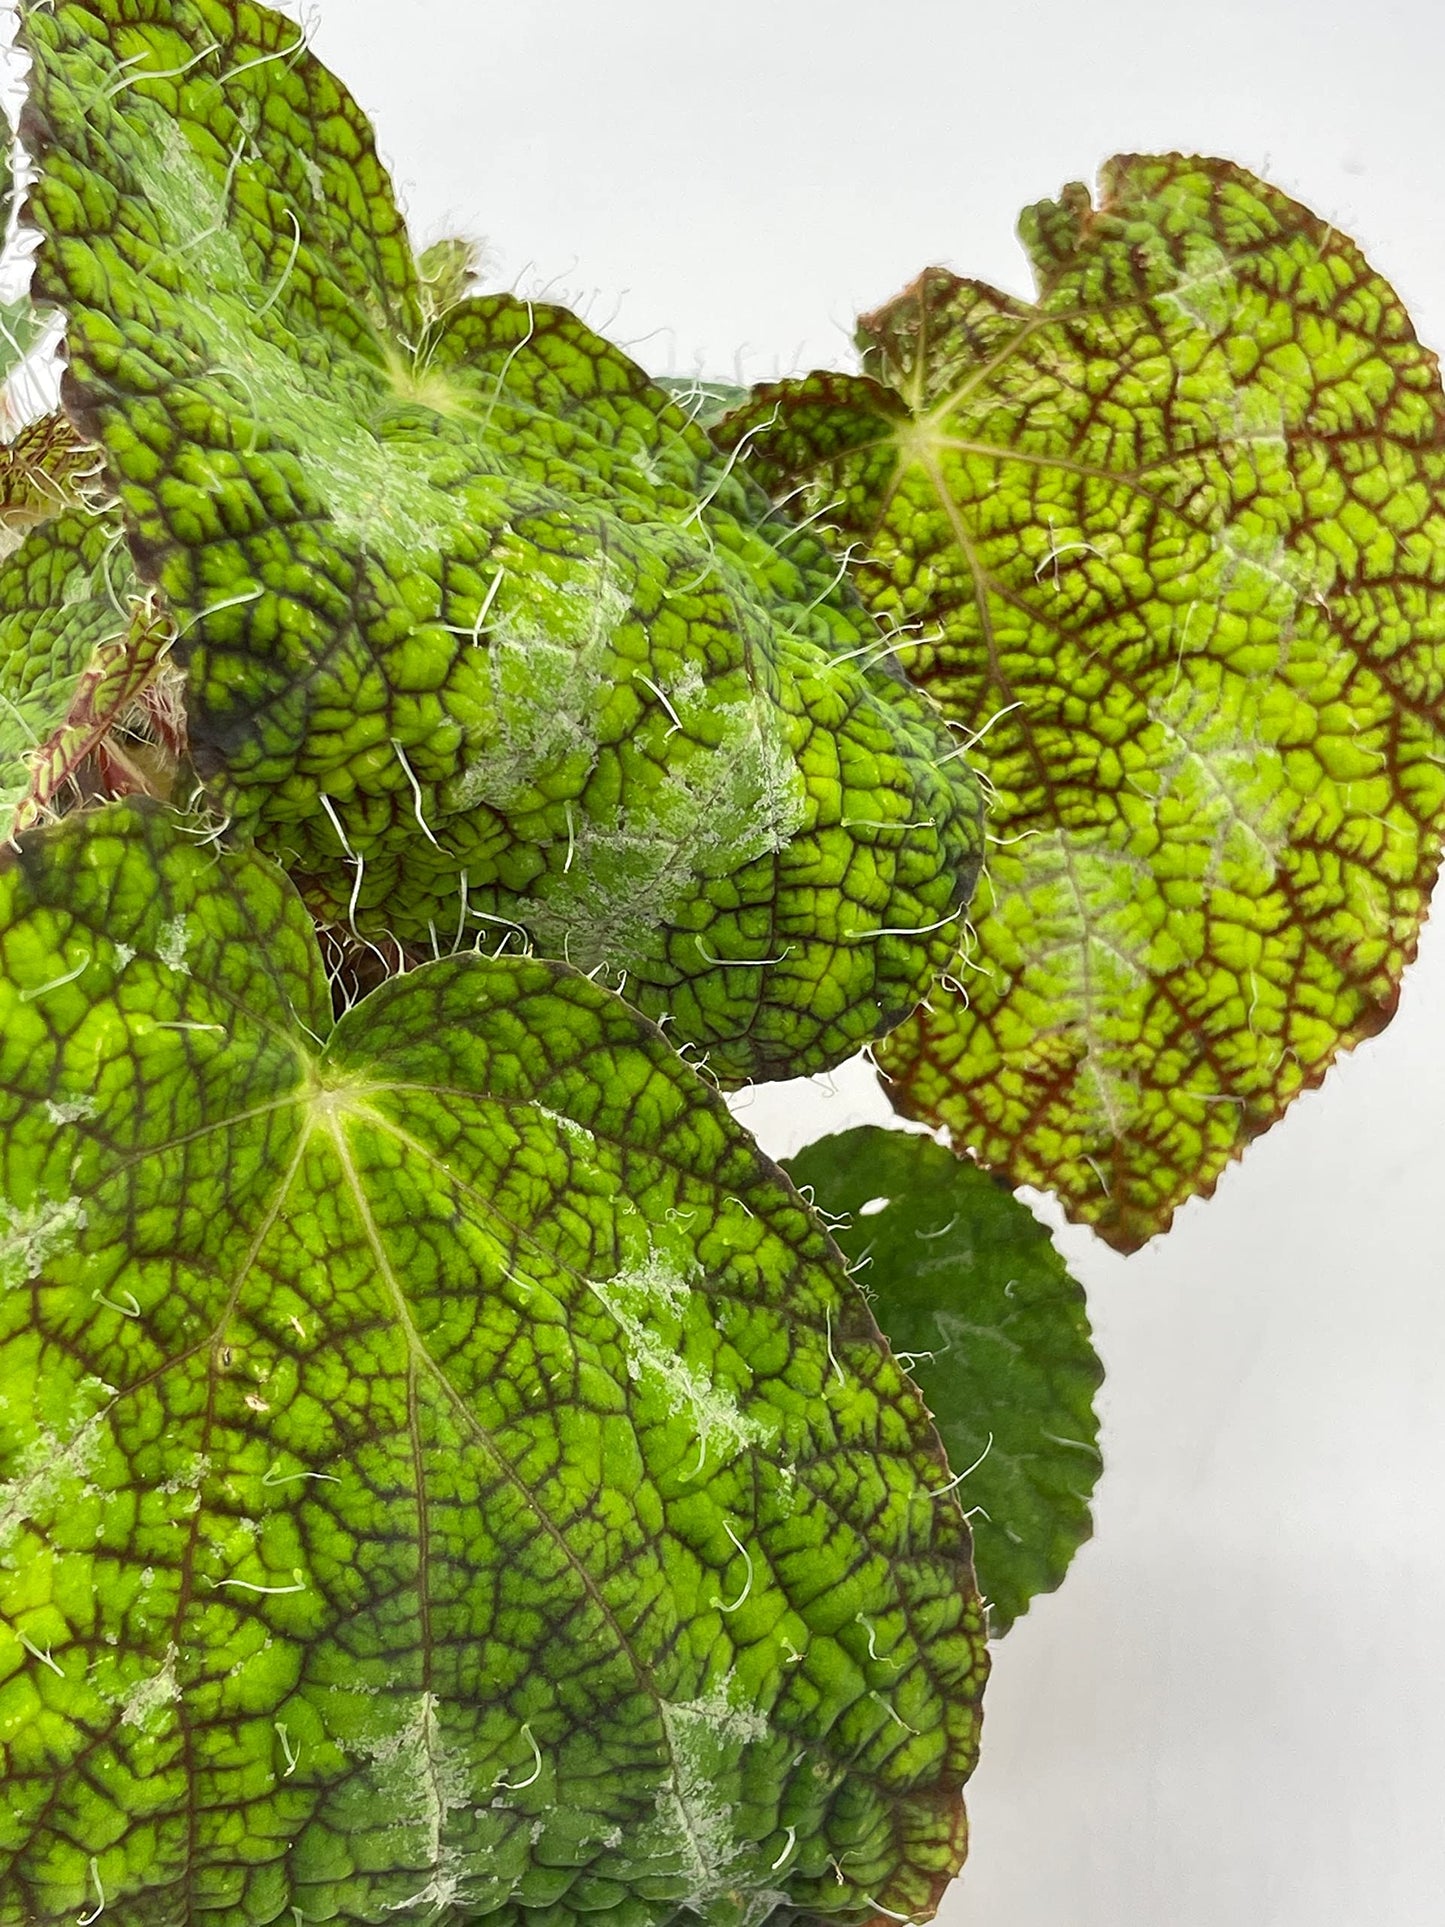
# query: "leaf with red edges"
(1168, 545)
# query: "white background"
(1235, 1710)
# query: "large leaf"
(449, 1469)
(1171, 535)
(971, 1293)
(481, 629)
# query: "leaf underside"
(974, 1298)
(481, 631)
(1172, 536)
(447, 1470)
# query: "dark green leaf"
(480, 629)
(975, 1300)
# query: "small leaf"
(480, 631)
(702, 401)
(446, 273)
(449, 1472)
(975, 1301)
(77, 646)
(44, 470)
(1168, 547)
(22, 330)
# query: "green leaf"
(449, 1470)
(446, 273)
(1172, 536)
(22, 329)
(481, 630)
(76, 646)
(703, 401)
(975, 1300)
(45, 469)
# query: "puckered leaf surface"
(448, 1471)
(76, 644)
(45, 468)
(479, 626)
(1172, 535)
(974, 1298)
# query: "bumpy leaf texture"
(481, 629)
(79, 639)
(45, 468)
(1172, 536)
(448, 1471)
(974, 1298)
(66, 628)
